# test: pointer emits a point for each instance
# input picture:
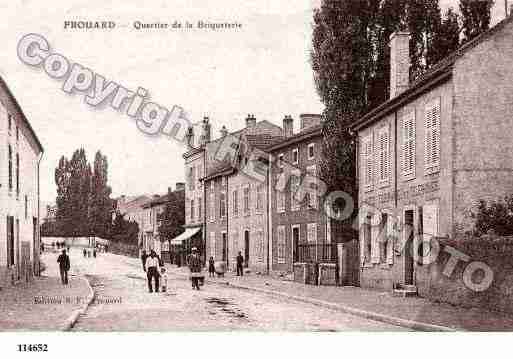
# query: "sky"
(262, 68)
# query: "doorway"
(10, 241)
(295, 244)
(246, 248)
(225, 247)
(408, 248)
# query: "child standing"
(211, 267)
(163, 279)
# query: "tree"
(100, 217)
(124, 231)
(62, 180)
(476, 17)
(173, 217)
(447, 37)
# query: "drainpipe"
(269, 215)
(395, 159)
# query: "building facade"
(20, 155)
(431, 152)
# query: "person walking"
(240, 262)
(152, 272)
(163, 279)
(194, 263)
(211, 267)
(144, 256)
(85, 253)
(64, 266)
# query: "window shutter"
(376, 219)
(408, 146)
(391, 237)
(432, 136)
(435, 136)
(428, 151)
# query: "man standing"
(144, 256)
(240, 262)
(152, 264)
(64, 266)
(194, 262)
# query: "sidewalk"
(366, 301)
(45, 304)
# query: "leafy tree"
(101, 206)
(124, 231)
(62, 180)
(496, 216)
(476, 15)
(173, 217)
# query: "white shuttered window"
(432, 135)
(383, 154)
(367, 160)
(408, 150)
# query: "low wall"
(124, 249)
(497, 253)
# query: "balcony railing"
(325, 253)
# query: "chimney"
(250, 121)
(288, 126)
(205, 136)
(180, 186)
(308, 120)
(399, 62)
(224, 131)
(189, 137)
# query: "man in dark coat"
(143, 259)
(240, 262)
(64, 266)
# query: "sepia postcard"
(238, 179)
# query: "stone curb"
(73, 318)
(405, 323)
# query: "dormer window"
(295, 156)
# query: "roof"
(13, 107)
(168, 197)
(298, 137)
(440, 72)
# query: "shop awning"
(189, 232)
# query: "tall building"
(20, 155)
(431, 152)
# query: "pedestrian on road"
(194, 262)
(240, 262)
(163, 279)
(144, 256)
(64, 266)
(85, 253)
(211, 267)
(152, 264)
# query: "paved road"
(124, 304)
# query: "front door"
(408, 248)
(225, 248)
(246, 248)
(295, 244)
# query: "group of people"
(239, 262)
(87, 253)
(156, 272)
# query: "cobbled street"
(122, 303)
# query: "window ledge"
(408, 177)
(431, 170)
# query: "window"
(295, 205)
(432, 135)
(246, 200)
(212, 186)
(199, 209)
(9, 122)
(281, 157)
(260, 245)
(367, 161)
(281, 246)
(190, 178)
(17, 133)
(280, 201)
(311, 151)
(312, 186)
(408, 134)
(235, 196)
(26, 207)
(212, 206)
(10, 168)
(311, 233)
(295, 156)
(213, 244)
(222, 204)
(383, 154)
(17, 175)
(192, 209)
(260, 197)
